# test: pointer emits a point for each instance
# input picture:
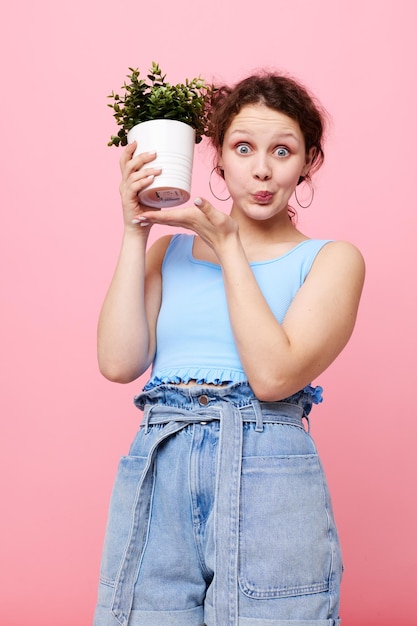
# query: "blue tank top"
(194, 337)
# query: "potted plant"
(165, 118)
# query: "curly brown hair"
(277, 91)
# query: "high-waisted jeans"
(220, 515)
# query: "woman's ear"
(309, 161)
(219, 159)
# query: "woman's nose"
(261, 170)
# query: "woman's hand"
(135, 178)
(213, 226)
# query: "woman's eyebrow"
(278, 135)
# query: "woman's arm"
(126, 328)
(127, 324)
(280, 359)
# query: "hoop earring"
(305, 206)
(211, 189)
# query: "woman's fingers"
(137, 174)
(212, 214)
(134, 175)
(193, 217)
(127, 155)
(130, 163)
(202, 218)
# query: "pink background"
(64, 426)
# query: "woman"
(221, 514)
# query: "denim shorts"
(220, 515)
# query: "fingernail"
(141, 221)
(198, 201)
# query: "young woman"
(220, 514)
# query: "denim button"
(203, 400)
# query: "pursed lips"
(263, 197)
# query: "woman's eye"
(282, 152)
(243, 148)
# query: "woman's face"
(263, 155)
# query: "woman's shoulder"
(339, 256)
(342, 250)
(158, 250)
(156, 253)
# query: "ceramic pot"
(174, 143)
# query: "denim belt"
(227, 494)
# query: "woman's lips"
(263, 197)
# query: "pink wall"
(63, 426)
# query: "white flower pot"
(174, 144)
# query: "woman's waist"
(201, 405)
(191, 397)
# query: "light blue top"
(194, 335)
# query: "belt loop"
(147, 414)
(258, 416)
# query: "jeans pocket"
(288, 540)
(121, 516)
